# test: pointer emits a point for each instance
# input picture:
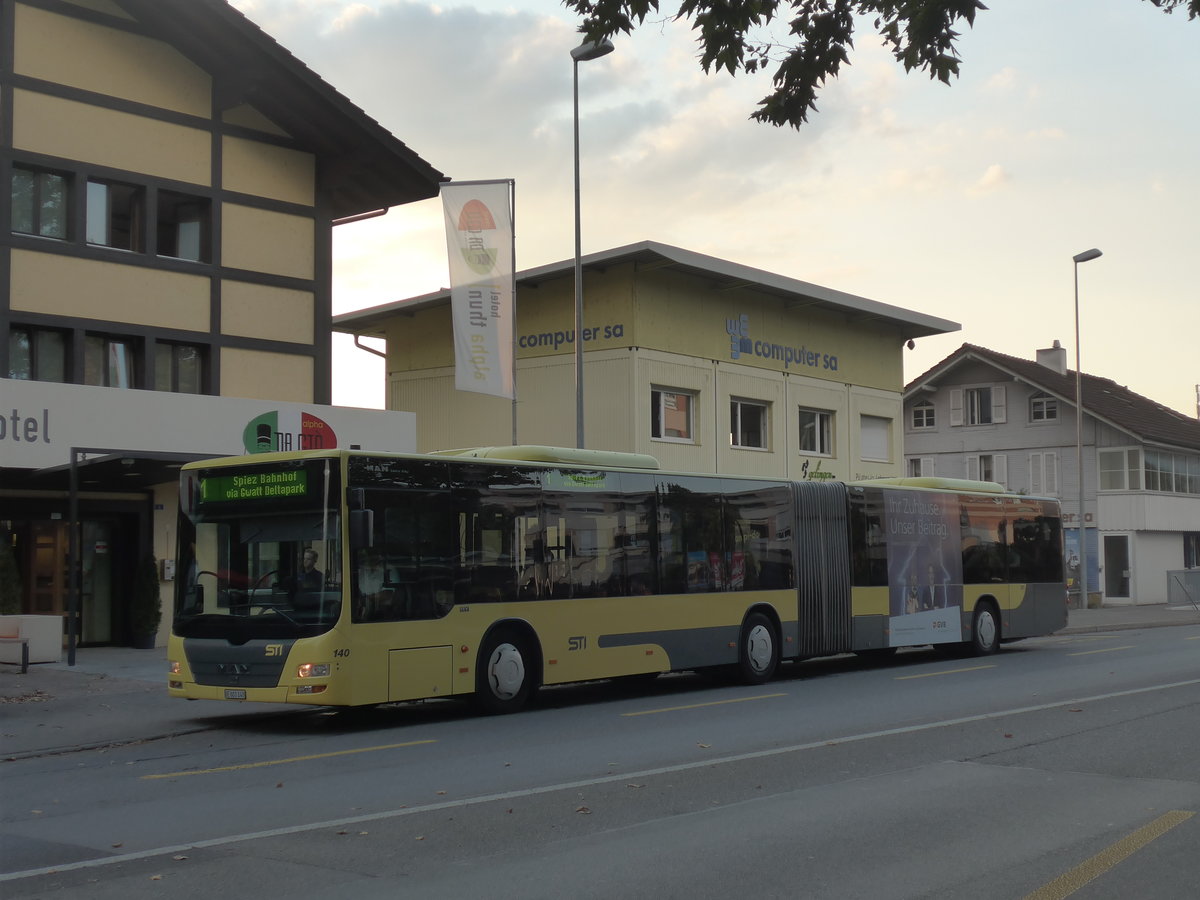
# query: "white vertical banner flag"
(479, 245)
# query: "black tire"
(504, 673)
(758, 650)
(985, 629)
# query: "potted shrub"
(145, 608)
(10, 582)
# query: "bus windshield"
(259, 552)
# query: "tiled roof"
(1102, 398)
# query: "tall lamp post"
(1085, 256)
(586, 51)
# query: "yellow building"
(707, 365)
(174, 176)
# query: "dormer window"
(1043, 408)
(923, 415)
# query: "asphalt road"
(1064, 765)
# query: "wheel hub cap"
(758, 648)
(506, 671)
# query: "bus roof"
(534, 453)
(940, 484)
(608, 459)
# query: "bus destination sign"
(253, 486)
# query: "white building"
(982, 414)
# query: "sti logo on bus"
(273, 650)
(577, 643)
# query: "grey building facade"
(986, 415)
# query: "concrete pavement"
(117, 695)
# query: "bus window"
(405, 572)
(494, 506)
(758, 535)
(868, 540)
(690, 536)
(582, 524)
(634, 566)
(984, 550)
(1035, 551)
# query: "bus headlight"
(173, 667)
(313, 670)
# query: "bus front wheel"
(758, 650)
(985, 630)
(503, 680)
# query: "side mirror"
(362, 528)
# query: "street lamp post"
(586, 51)
(1085, 256)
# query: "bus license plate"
(234, 694)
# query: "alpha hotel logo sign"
(287, 430)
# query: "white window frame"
(1046, 404)
(823, 430)
(968, 405)
(869, 439)
(920, 467)
(658, 408)
(927, 413)
(736, 406)
(1043, 473)
(988, 467)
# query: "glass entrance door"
(1116, 566)
(95, 601)
(46, 587)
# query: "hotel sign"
(41, 421)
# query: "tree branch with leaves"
(734, 36)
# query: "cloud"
(993, 178)
(881, 188)
(1004, 81)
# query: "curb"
(1120, 626)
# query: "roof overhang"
(721, 274)
(361, 165)
(104, 472)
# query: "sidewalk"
(112, 695)
(117, 695)
(1120, 618)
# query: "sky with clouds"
(1074, 124)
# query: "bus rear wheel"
(758, 650)
(985, 630)
(504, 675)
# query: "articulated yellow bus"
(348, 578)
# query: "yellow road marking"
(281, 762)
(651, 712)
(1069, 882)
(1101, 650)
(944, 672)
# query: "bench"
(24, 642)
(30, 639)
